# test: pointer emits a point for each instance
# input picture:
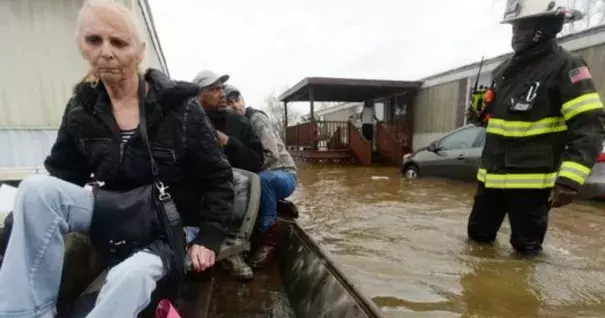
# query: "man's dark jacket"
(244, 149)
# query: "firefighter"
(545, 127)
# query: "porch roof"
(331, 89)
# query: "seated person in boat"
(241, 145)
(278, 178)
(102, 134)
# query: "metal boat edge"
(313, 281)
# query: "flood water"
(404, 244)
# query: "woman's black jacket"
(184, 144)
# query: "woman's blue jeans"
(46, 209)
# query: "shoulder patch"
(579, 74)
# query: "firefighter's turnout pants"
(527, 213)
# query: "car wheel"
(411, 172)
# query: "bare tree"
(276, 112)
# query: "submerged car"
(457, 155)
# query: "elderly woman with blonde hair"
(125, 129)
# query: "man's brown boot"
(263, 255)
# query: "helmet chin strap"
(541, 31)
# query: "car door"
(431, 162)
(472, 158)
(454, 149)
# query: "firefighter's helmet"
(522, 9)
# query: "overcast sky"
(268, 45)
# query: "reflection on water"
(498, 286)
(404, 242)
(261, 297)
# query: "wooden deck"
(342, 142)
(342, 139)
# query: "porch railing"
(398, 132)
(393, 142)
(301, 135)
(324, 135)
(359, 147)
(330, 135)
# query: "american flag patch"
(579, 74)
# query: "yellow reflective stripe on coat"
(574, 171)
(520, 129)
(517, 181)
(581, 104)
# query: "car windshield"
(461, 139)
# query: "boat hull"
(312, 282)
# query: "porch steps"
(376, 157)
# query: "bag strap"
(143, 125)
(168, 213)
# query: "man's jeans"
(275, 185)
(46, 209)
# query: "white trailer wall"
(39, 65)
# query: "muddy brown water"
(404, 244)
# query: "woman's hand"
(201, 257)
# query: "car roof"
(468, 126)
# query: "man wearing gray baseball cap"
(207, 77)
(211, 85)
(241, 145)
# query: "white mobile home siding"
(40, 64)
(341, 115)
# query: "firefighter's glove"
(561, 196)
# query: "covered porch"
(319, 140)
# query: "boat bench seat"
(245, 212)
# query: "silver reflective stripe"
(535, 181)
(574, 171)
(534, 129)
(520, 181)
(594, 100)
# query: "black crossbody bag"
(126, 222)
